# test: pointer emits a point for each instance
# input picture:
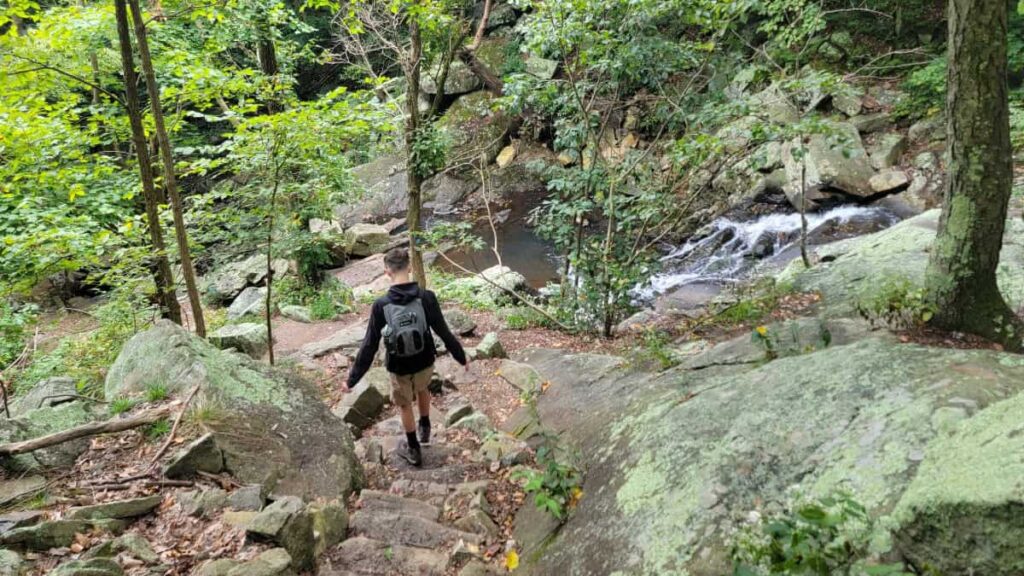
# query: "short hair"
(397, 259)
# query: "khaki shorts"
(405, 387)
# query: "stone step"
(384, 503)
(431, 492)
(434, 456)
(400, 530)
(361, 556)
(450, 474)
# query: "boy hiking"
(404, 317)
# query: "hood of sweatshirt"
(404, 293)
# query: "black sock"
(413, 441)
(425, 421)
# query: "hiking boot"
(411, 455)
(424, 428)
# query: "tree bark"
(164, 277)
(170, 180)
(414, 180)
(961, 277)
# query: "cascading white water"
(730, 249)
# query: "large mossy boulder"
(476, 129)
(48, 392)
(384, 182)
(460, 79)
(851, 270)
(248, 337)
(675, 461)
(228, 281)
(270, 424)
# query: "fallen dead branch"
(85, 430)
(174, 428)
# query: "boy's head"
(396, 264)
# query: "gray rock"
(347, 339)
(92, 567)
(252, 301)
(367, 239)
(457, 412)
(930, 129)
(273, 562)
(296, 313)
(47, 393)
(504, 449)
(201, 455)
(20, 519)
(45, 535)
(273, 518)
(478, 423)
(20, 488)
(478, 522)
(447, 191)
(848, 102)
(889, 181)
(836, 162)
(250, 338)
(868, 123)
(460, 322)
(41, 422)
(366, 403)
(330, 525)
(229, 280)
(400, 530)
(460, 79)
(478, 568)
(130, 544)
(384, 181)
(385, 503)
(10, 563)
(361, 555)
(522, 376)
(380, 379)
(887, 149)
(219, 567)
(130, 508)
(270, 424)
(541, 68)
(203, 502)
(246, 498)
(490, 347)
(926, 161)
(775, 104)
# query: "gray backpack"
(406, 331)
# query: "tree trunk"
(961, 278)
(266, 55)
(167, 159)
(412, 127)
(164, 276)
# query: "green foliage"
(158, 429)
(85, 357)
(326, 301)
(14, 324)
(429, 151)
(825, 537)
(926, 91)
(656, 347)
(1017, 121)
(896, 303)
(555, 487)
(156, 393)
(120, 405)
(524, 318)
(453, 289)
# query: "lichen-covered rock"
(460, 79)
(457, 412)
(289, 524)
(45, 535)
(887, 149)
(386, 191)
(361, 406)
(962, 512)
(495, 282)
(249, 337)
(273, 562)
(92, 567)
(446, 191)
(129, 508)
(251, 400)
(296, 313)
(40, 422)
(130, 544)
(330, 525)
(460, 322)
(46, 393)
(10, 563)
(252, 301)
(490, 347)
(203, 502)
(248, 498)
(367, 239)
(674, 460)
(851, 269)
(836, 163)
(228, 281)
(478, 423)
(888, 181)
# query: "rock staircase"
(402, 532)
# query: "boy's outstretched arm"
(440, 327)
(368, 350)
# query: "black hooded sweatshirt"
(403, 294)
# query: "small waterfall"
(727, 250)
